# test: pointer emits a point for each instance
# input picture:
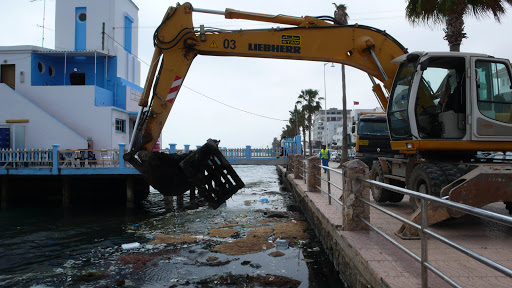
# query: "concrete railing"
(355, 209)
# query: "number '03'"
(229, 44)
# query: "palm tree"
(451, 13)
(309, 105)
(341, 15)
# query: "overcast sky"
(262, 86)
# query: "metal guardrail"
(424, 230)
(329, 183)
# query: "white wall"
(113, 13)
(42, 130)
(22, 59)
(119, 137)
(132, 99)
(74, 106)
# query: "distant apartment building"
(325, 124)
(331, 131)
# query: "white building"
(325, 131)
(43, 101)
(352, 117)
(331, 131)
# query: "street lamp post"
(326, 130)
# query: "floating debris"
(245, 280)
(223, 233)
(130, 245)
(176, 239)
(90, 276)
(254, 242)
(276, 254)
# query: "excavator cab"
(435, 94)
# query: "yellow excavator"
(446, 109)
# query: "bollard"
(354, 209)
(248, 152)
(290, 166)
(172, 148)
(298, 166)
(187, 148)
(55, 159)
(121, 154)
(313, 174)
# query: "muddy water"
(81, 247)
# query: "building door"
(8, 75)
(5, 138)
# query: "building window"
(128, 22)
(80, 28)
(120, 125)
(41, 67)
(81, 17)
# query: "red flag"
(356, 102)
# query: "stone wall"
(352, 268)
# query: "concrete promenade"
(366, 259)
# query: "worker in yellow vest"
(325, 154)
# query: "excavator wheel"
(452, 172)
(395, 196)
(508, 205)
(426, 178)
(379, 194)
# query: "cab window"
(440, 100)
(494, 95)
(397, 113)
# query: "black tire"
(426, 178)
(508, 205)
(379, 194)
(395, 196)
(452, 172)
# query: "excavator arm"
(177, 42)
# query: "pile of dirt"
(226, 226)
(245, 280)
(176, 239)
(276, 254)
(291, 231)
(255, 241)
(223, 233)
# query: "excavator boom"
(177, 42)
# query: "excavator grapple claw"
(212, 174)
(174, 174)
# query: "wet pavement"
(170, 248)
(391, 266)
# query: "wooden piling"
(180, 201)
(130, 193)
(66, 192)
(169, 202)
(192, 194)
(4, 191)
